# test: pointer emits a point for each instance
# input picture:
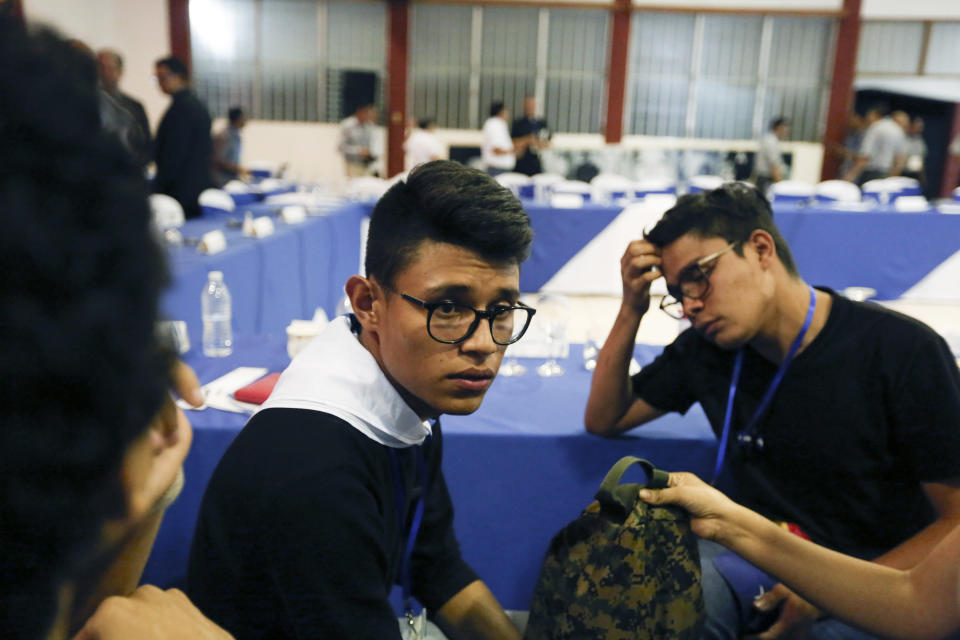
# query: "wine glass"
(553, 310)
(511, 367)
(591, 347)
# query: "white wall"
(309, 149)
(753, 5)
(913, 10)
(138, 30)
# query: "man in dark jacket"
(183, 145)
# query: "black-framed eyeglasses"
(693, 282)
(450, 322)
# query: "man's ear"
(763, 243)
(364, 295)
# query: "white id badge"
(414, 627)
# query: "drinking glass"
(553, 309)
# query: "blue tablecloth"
(886, 250)
(518, 469)
(272, 280)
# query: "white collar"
(336, 374)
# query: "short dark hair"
(496, 107)
(234, 114)
(176, 66)
(78, 301)
(779, 121)
(732, 212)
(426, 123)
(445, 201)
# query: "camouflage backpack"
(622, 570)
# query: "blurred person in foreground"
(183, 147)
(334, 491)
(91, 445)
(840, 419)
(919, 603)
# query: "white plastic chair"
(647, 187)
(911, 204)
(167, 212)
(216, 199)
(566, 200)
(272, 184)
(900, 186)
(236, 186)
(836, 191)
(904, 186)
(791, 191)
(608, 187)
(704, 183)
(366, 187)
(575, 187)
(263, 169)
(519, 184)
(543, 185)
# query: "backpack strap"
(625, 495)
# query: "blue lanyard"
(749, 435)
(410, 535)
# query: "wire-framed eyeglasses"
(693, 282)
(450, 322)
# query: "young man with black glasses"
(334, 492)
(839, 418)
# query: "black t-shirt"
(298, 534)
(865, 414)
(529, 162)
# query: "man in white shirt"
(768, 166)
(356, 134)
(497, 150)
(423, 145)
(882, 151)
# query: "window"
(890, 47)
(464, 58)
(726, 76)
(284, 59)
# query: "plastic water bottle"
(215, 307)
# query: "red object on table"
(257, 392)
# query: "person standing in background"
(110, 68)
(916, 153)
(356, 135)
(227, 147)
(768, 166)
(183, 139)
(497, 150)
(881, 154)
(530, 134)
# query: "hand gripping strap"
(625, 495)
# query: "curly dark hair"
(445, 201)
(732, 212)
(78, 300)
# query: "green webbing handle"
(625, 495)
